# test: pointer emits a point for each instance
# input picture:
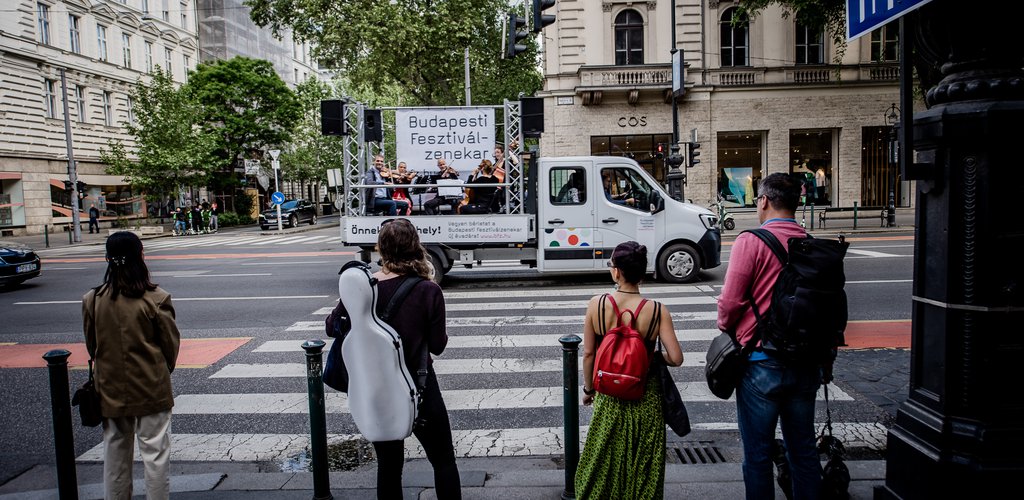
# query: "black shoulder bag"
(335, 375)
(87, 398)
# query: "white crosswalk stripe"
(200, 241)
(498, 375)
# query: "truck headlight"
(709, 221)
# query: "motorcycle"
(725, 219)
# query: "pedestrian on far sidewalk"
(771, 390)
(131, 334)
(94, 218)
(213, 217)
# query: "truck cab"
(588, 205)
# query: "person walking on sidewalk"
(770, 389)
(624, 455)
(180, 222)
(213, 217)
(130, 332)
(94, 218)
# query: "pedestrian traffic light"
(660, 151)
(81, 188)
(516, 32)
(692, 154)
(69, 186)
(541, 20)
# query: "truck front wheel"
(679, 263)
(439, 270)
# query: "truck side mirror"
(657, 202)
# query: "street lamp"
(892, 119)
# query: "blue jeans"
(386, 204)
(769, 392)
(179, 225)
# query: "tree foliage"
(244, 106)
(417, 45)
(169, 148)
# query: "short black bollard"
(317, 418)
(46, 235)
(855, 215)
(812, 216)
(571, 410)
(63, 436)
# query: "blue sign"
(864, 16)
(277, 197)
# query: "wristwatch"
(588, 392)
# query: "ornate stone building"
(763, 95)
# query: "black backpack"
(808, 314)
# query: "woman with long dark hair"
(131, 335)
(419, 321)
(624, 455)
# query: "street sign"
(864, 16)
(252, 167)
(274, 153)
(334, 178)
(277, 197)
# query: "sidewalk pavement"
(525, 478)
(747, 219)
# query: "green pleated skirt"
(624, 455)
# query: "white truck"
(575, 211)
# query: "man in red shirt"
(771, 389)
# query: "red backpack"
(622, 359)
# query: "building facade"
(104, 48)
(763, 95)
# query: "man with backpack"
(792, 344)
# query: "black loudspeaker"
(373, 129)
(532, 109)
(332, 118)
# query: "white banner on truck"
(462, 136)
(444, 229)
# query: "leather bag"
(672, 407)
(87, 399)
(726, 363)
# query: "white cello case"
(381, 393)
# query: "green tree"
(244, 107)
(311, 153)
(417, 45)
(168, 149)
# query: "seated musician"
(445, 172)
(399, 177)
(481, 198)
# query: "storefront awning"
(10, 175)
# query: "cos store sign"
(632, 121)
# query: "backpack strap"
(615, 306)
(773, 243)
(655, 321)
(600, 312)
(404, 288)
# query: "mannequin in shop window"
(821, 182)
(808, 186)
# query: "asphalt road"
(267, 289)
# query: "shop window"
(629, 38)
(12, 201)
(735, 39)
(568, 186)
(740, 167)
(885, 43)
(810, 155)
(878, 174)
(810, 45)
(641, 148)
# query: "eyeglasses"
(608, 264)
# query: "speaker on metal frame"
(332, 118)
(532, 110)
(373, 129)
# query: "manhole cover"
(697, 452)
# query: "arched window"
(735, 39)
(629, 38)
(810, 45)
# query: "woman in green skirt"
(624, 455)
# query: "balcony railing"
(625, 77)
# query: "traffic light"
(692, 154)
(541, 20)
(661, 151)
(515, 23)
(81, 187)
(69, 186)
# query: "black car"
(17, 264)
(293, 213)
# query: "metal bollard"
(855, 215)
(812, 216)
(71, 234)
(317, 418)
(571, 410)
(63, 436)
(46, 235)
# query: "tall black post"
(571, 410)
(317, 418)
(63, 435)
(961, 431)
